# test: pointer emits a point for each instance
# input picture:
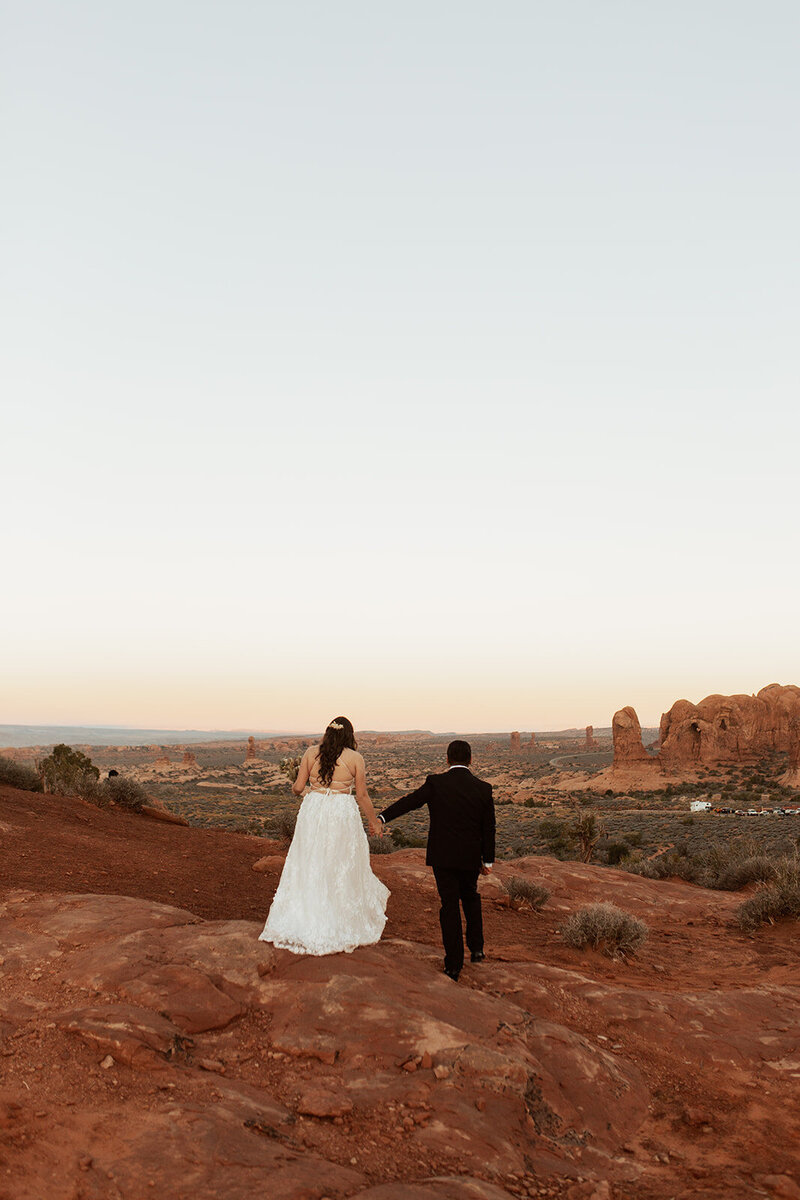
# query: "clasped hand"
(376, 828)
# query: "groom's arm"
(408, 803)
(488, 832)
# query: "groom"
(460, 848)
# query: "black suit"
(460, 840)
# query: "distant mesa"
(718, 730)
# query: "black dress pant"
(457, 890)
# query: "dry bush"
(17, 775)
(725, 866)
(381, 845)
(758, 868)
(127, 793)
(605, 927)
(777, 900)
(280, 826)
(524, 894)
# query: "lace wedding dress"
(328, 899)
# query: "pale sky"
(434, 363)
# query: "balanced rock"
(627, 734)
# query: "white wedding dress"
(328, 899)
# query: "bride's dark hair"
(338, 736)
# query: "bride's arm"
(302, 775)
(363, 800)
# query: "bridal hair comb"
(333, 725)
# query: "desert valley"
(150, 1045)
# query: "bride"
(328, 899)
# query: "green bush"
(777, 900)
(523, 893)
(606, 928)
(17, 775)
(615, 852)
(69, 772)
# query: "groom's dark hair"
(459, 754)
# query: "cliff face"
(724, 729)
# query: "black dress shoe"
(478, 956)
(452, 975)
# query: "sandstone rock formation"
(723, 729)
(791, 777)
(627, 735)
(591, 740)
(189, 759)
(533, 739)
(251, 755)
(515, 741)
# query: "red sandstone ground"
(239, 1071)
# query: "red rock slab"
(270, 862)
(321, 1102)
(186, 996)
(457, 1187)
(21, 950)
(163, 814)
(132, 1036)
(78, 919)
(206, 1152)
(225, 958)
(400, 1006)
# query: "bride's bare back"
(345, 773)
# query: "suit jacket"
(461, 809)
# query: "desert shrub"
(381, 845)
(777, 900)
(735, 875)
(605, 927)
(69, 772)
(726, 866)
(17, 775)
(523, 893)
(127, 793)
(615, 852)
(280, 826)
(407, 841)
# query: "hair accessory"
(333, 725)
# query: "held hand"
(486, 870)
(376, 828)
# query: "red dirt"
(703, 1013)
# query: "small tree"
(586, 831)
(68, 771)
